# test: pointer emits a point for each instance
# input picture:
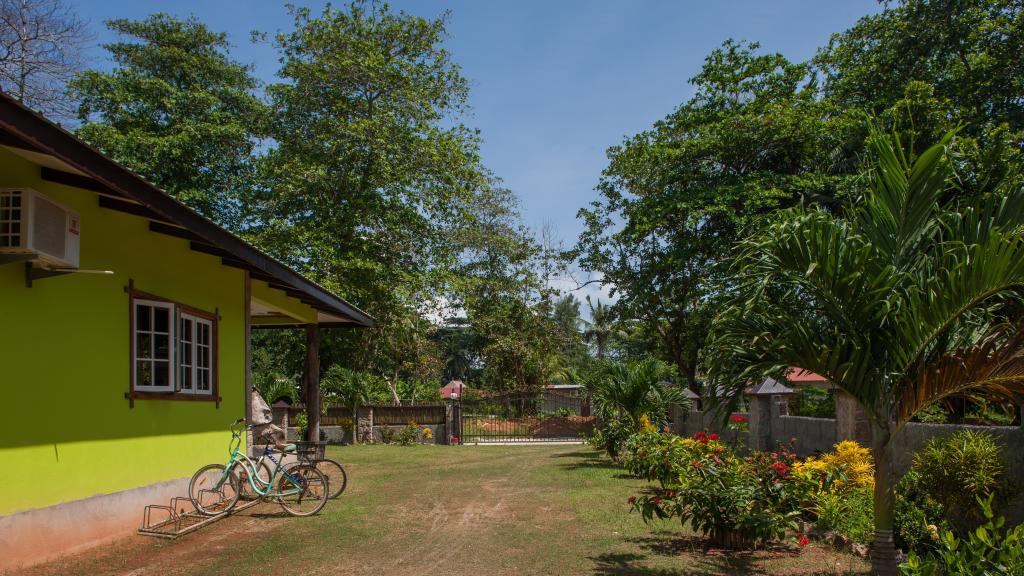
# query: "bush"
(847, 467)
(813, 402)
(850, 514)
(610, 437)
(918, 517)
(957, 470)
(387, 435)
(408, 435)
(301, 424)
(986, 550)
(933, 414)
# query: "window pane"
(162, 346)
(161, 319)
(142, 317)
(186, 330)
(143, 373)
(204, 380)
(161, 375)
(143, 342)
(185, 378)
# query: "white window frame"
(172, 364)
(193, 346)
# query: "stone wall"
(339, 435)
(812, 435)
(693, 421)
(914, 435)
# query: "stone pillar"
(364, 425)
(851, 421)
(759, 421)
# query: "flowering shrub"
(708, 487)
(428, 434)
(739, 423)
(775, 479)
(663, 457)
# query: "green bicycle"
(300, 489)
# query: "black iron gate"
(548, 416)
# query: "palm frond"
(995, 366)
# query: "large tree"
(906, 299)
(369, 166)
(956, 61)
(41, 47)
(176, 109)
(673, 199)
(508, 304)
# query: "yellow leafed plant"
(848, 466)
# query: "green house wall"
(67, 429)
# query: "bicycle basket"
(310, 451)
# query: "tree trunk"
(883, 553)
(355, 426)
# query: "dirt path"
(495, 511)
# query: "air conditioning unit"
(31, 223)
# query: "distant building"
(457, 387)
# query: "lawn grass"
(489, 510)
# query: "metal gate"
(512, 417)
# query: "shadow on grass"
(625, 564)
(586, 459)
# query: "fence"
(336, 421)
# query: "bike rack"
(181, 517)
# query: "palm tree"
(903, 301)
(349, 388)
(274, 386)
(601, 326)
(633, 390)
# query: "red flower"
(632, 500)
(804, 540)
(713, 437)
(717, 459)
(780, 468)
(656, 500)
(700, 436)
(738, 418)
(666, 430)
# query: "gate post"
(453, 419)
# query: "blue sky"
(554, 83)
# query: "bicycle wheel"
(263, 473)
(337, 478)
(213, 490)
(302, 490)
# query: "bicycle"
(300, 489)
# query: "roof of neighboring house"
(66, 159)
(795, 374)
(455, 386)
(771, 386)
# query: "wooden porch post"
(313, 382)
(248, 360)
